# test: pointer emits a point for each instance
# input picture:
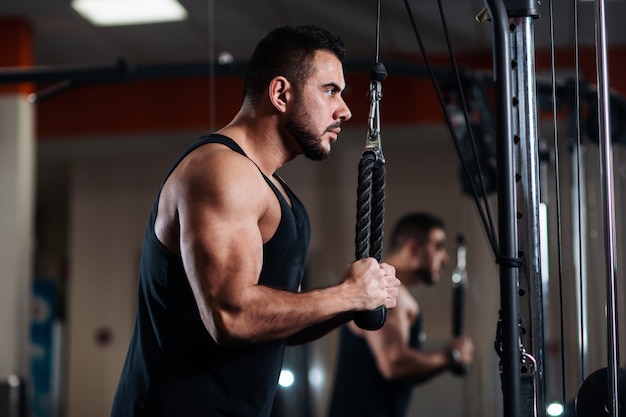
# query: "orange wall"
(177, 103)
(169, 104)
(15, 50)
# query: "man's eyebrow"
(334, 85)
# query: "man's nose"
(344, 113)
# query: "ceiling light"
(129, 12)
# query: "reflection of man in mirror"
(377, 370)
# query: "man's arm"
(318, 330)
(396, 359)
(226, 212)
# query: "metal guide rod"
(532, 395)
(506, 210)
(519, 249)
(507, 75)
(579, 237)
(606, 151)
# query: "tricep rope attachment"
(371, 196)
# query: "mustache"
(334, 126)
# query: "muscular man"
(377, 370)
(225, 246)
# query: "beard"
(310, 142)
(427, 277)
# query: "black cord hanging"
(371, 189)
(484, 212)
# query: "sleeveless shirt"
(359, 388)
(173, 366)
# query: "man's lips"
(335, 131)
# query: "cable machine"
(520, 336)
(517, 247)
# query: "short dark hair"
(414, 226)
(287, 51)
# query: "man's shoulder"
(213, 173)
(407, 304)
(218, 161)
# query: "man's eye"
(330, 92)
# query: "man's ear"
(280, 93)
(412, 252)
(414, 247)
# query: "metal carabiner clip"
(373, 143)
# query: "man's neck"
(260, 140)
(404, 273)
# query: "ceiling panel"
(63, 37)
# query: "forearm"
(243, 313)
(419, 366)
(264, 314)
(316, 331)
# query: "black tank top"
(173, 367)
(359, 388)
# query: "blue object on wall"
(43, 401)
